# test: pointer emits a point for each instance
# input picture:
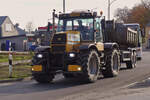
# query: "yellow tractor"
(77, 50)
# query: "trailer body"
(119, 33)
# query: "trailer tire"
(112, 64)
(43, 78)
(91, 66)
(132, 63)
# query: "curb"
(16, 80)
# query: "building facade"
(11, 33)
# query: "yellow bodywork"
(37, 68)
(100, 46)
(70, 47)
(74, 68)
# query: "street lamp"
(109, 4)
(63, 6)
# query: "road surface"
(63, 89)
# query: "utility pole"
(10, 60)
(108, 9)
(109, 4)
(64, 6)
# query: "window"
(69, 25)
(98, 28)
(8, 27)
(60, 26)
(83, 25)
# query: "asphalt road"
(71, 89)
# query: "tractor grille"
(59, 39)
(58, 48)
(59, 43)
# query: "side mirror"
(48, 26)
(94, 14)
(103, 23)
(143, 33)
(56, 15)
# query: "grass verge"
(4, 58)
(19, 71)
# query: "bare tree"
(146, 4)
(122, 14)
(29, 27)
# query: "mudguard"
(110, 46)
(42, 48)
(87, 47)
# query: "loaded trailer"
(85, 46)
(127, 40)
(141, 33)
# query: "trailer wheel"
(91, 66)
(132, 63)
(43, 78)
(112, 64)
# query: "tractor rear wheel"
(112, 64)
(91, 65)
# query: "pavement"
(129, 85)
(136, 91)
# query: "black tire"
(132, 63)
(91, 65)
(139, 58)
(67, 75)
(43, 78)
(112, 64)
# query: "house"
(11, 33)
(148, 35)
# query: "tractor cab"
(78, 27)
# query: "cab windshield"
(84, 26)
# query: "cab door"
(99, 36)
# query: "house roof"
(13, 36)
(21, 31)
(2, 19)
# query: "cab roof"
(77, 14)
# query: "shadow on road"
(143, 84)
(34, 87)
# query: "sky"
(39, 11)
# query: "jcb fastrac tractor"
(84, 46)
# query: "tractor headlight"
(72, 55)
(40, 56)
(73, 38)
